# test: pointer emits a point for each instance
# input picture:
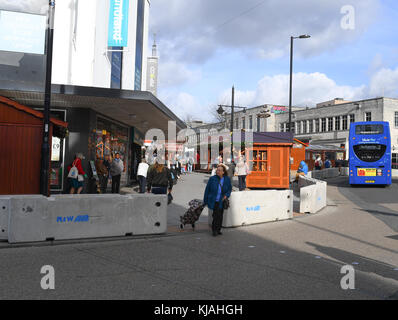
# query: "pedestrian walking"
(76, 174)
(328, 163)
(117, 168)
(102, 173)
(159, 179)
(142, 174)
(231, 169)
(217, 192)
(242, 170)
(107, 164)
(318, 163)
(190, 164)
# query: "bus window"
(369, 152)
(369, 129)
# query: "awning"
(139, 109)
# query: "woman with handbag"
(77, 182)
(218, 190)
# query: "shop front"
(108, 139)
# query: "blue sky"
(201, 60)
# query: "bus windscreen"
(369, 129)
(369, 152)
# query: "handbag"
(73, 172)
(80, 177)
(225, 202)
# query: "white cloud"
(194, 30)
(174, 74)
(308, 90)
(185, 105)
(384, 83)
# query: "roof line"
(31, 111)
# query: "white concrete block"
(313, 194)
(258, 206)
(61, 217)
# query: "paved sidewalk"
(292, 259)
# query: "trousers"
(218, 214)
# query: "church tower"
(152, 70)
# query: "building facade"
(87, 52)
(99, 74)
(329, 124)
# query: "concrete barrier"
(313, 194)
(37, 218)
(258, 206)
(325, 173)
(4, 215)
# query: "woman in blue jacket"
(218, 188)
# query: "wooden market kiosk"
(270, 160)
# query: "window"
(316, 125)
(337, 123)
(369, 152)
(139, 45)
(311, 126)
(368, 116)
(250, 122)
(293, 127)
(281, 127)
(243, 123)
(323, 125)
(259, 160)
(352, 118)
(298, 127)
(258, 124)
(345, 125)
(116, 68)
(236, 123)
(305, 126)
(396, 119)
(369, 129)
(330, 124)
(394, 164)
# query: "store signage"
(118, 23)
(22, 32)
(279, 109)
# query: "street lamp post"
(45, 149)
(303, 36)
(220, 111)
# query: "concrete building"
(99, 82)
(85, 56)
(329, 123)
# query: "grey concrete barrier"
(64, 217)
(313, 194)
(4, 216)
(258, 206)
(327, 173)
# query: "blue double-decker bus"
(370, 153)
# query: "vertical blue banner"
(118, 23)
